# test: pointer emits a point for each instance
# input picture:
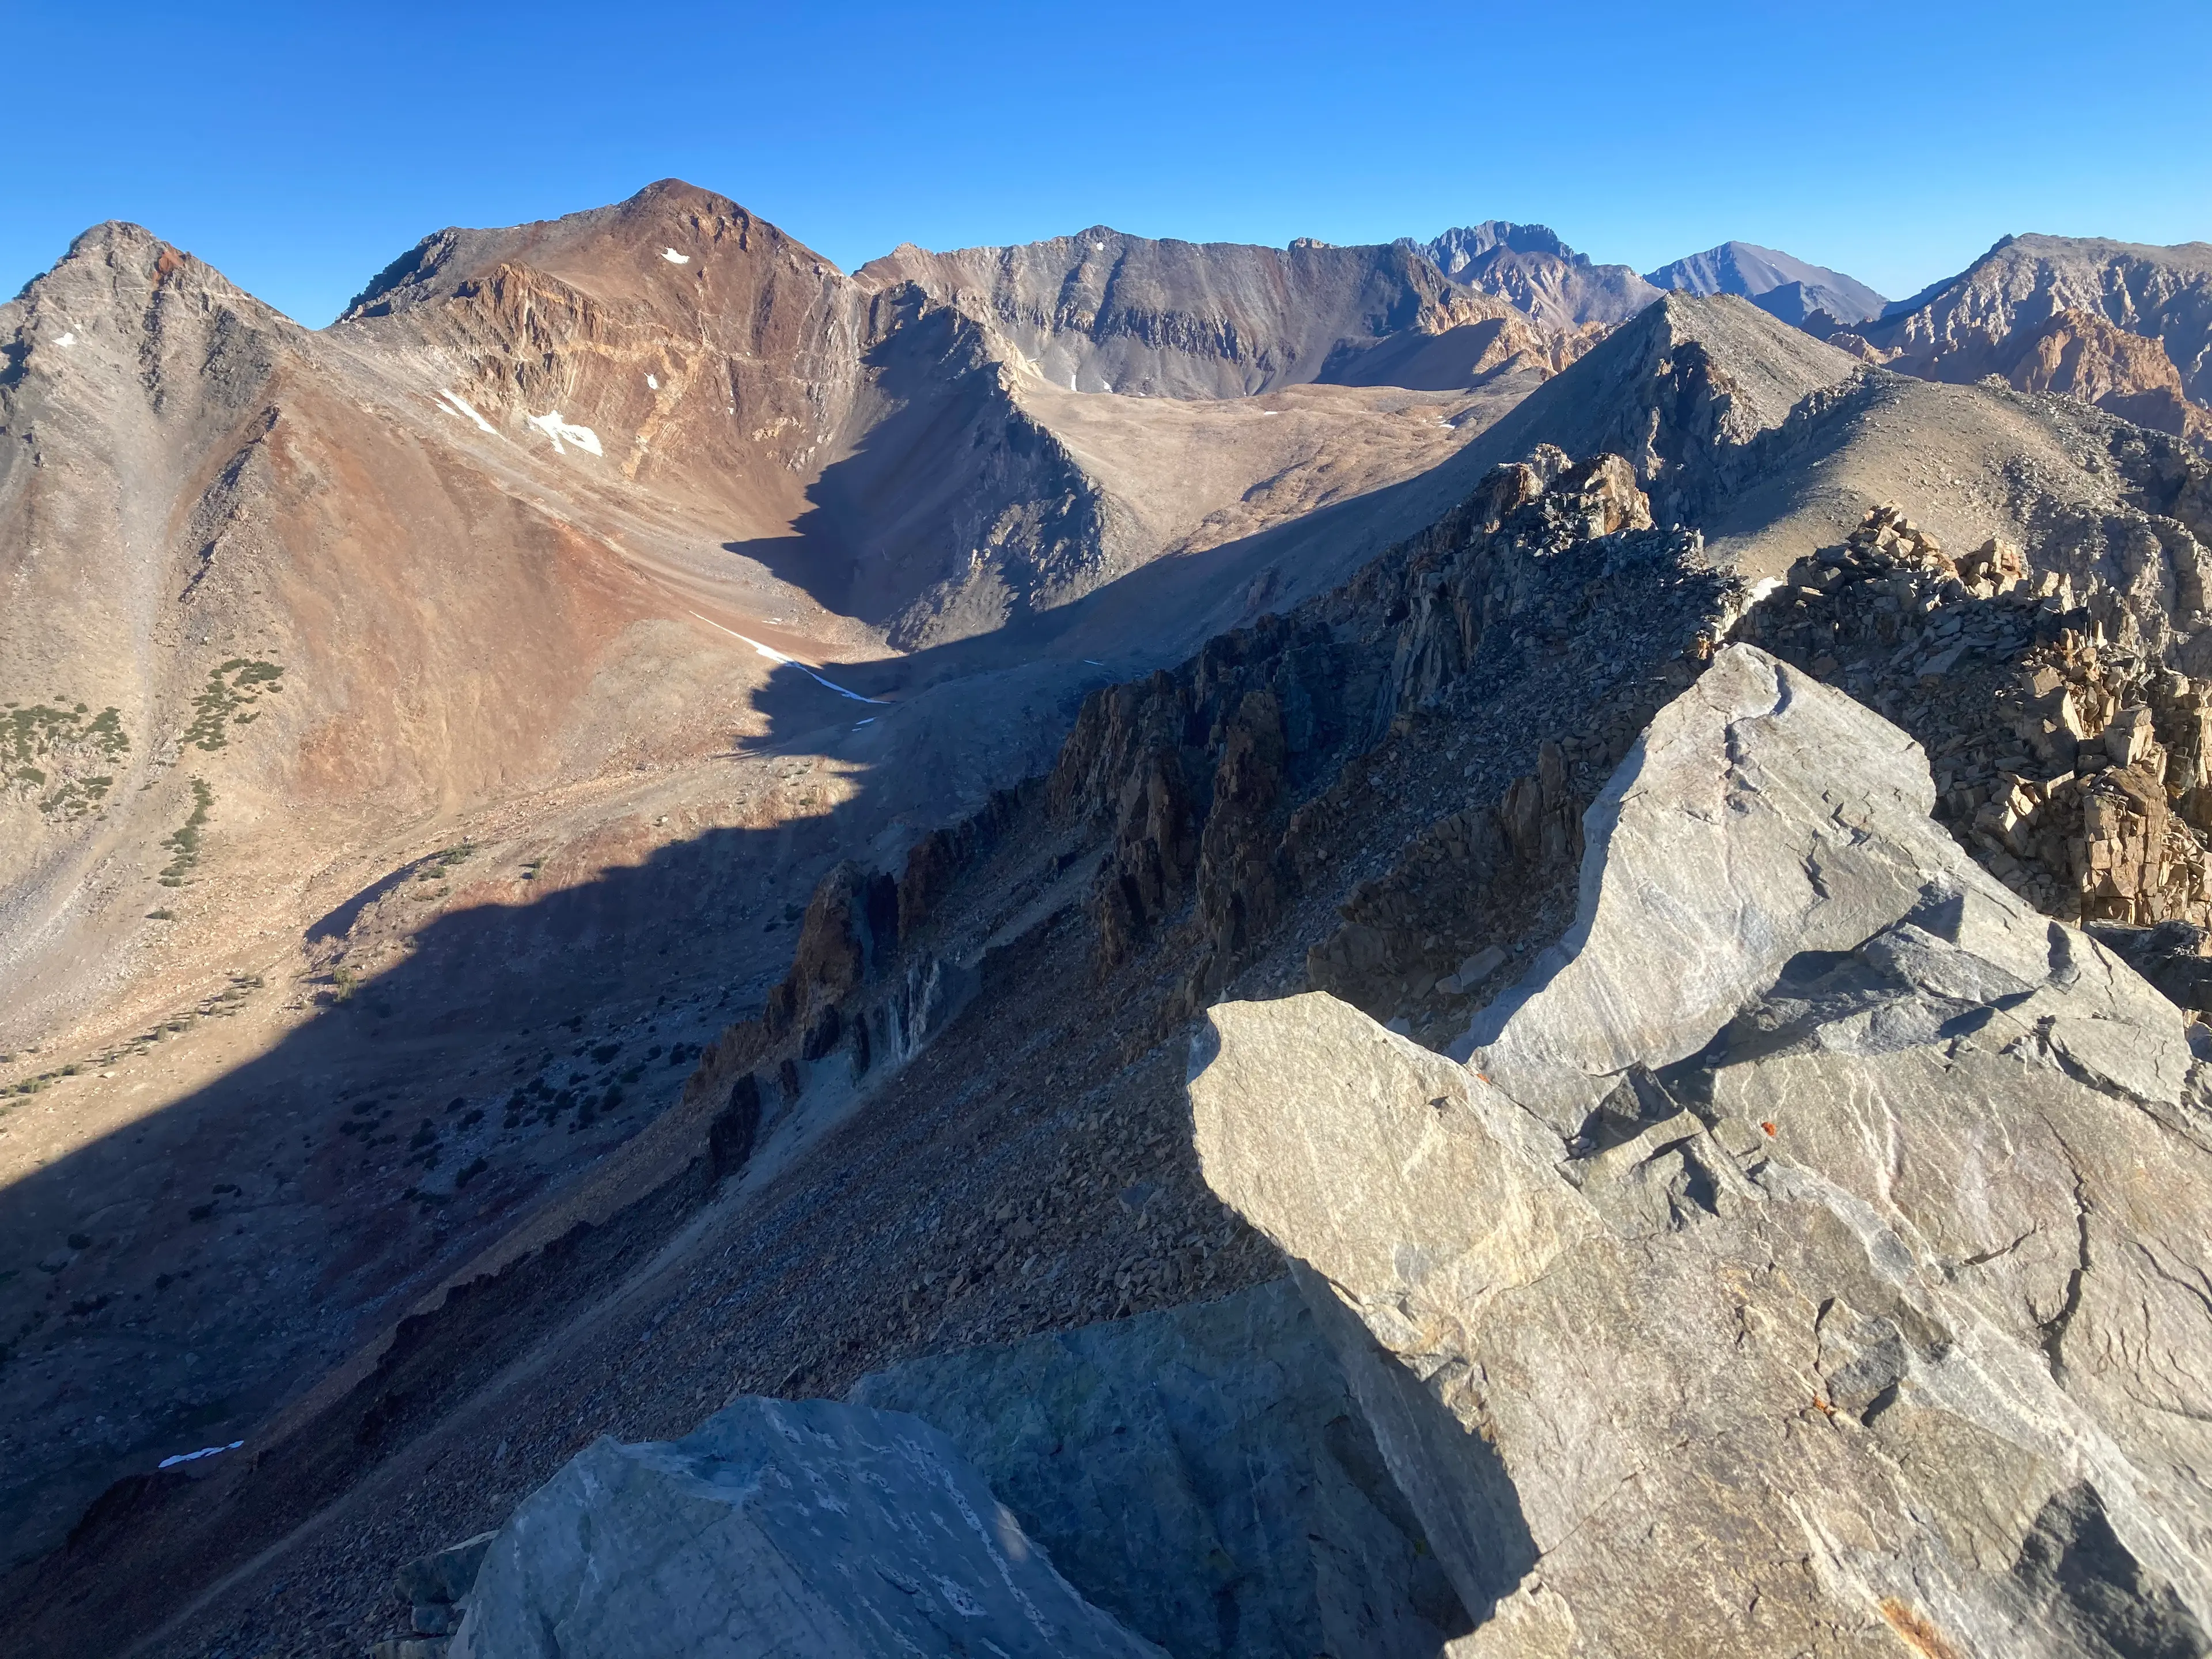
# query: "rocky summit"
(1108, 946)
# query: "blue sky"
(300, 148)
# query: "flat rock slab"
(1202, 1472)
(778, 1528)
(1846, 1290)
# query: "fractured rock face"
(1812, 1258)
(777, 1528)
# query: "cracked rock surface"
(777, 1528)
(1811, 1257)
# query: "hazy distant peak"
(1774, 281)
(1453, 249)
(1531, 268)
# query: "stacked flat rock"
(778, 1528)
(1812, 1257)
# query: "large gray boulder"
(1202, 1472)
(807, 1529)
(1815, 1258)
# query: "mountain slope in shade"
(1776, 283)
(1397, 770)
(374, 699)
(2122, 324)
(1529, 266)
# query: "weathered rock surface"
(1812, 1258)
(777, 1528)
(1203, 1474)
(2030, 308)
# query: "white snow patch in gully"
(674, 258)
(653, 382)
(454, 404)
(774, 655)
(194, 1457)
(67, 337)
(555, 428)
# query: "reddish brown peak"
(668, 216)
(681, 195)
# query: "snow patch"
(194, 1457)
(67, 337)
(453, 404)
(653, 382)
(674, 258)
(555, 428)
(774, 655)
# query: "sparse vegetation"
(185, 844)
(65, 737)
(342, 983)
(228, 699)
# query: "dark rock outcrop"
(1203, 1474)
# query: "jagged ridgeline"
(674, 813)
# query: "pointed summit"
(1776, 283)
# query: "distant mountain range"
(1533, 268)
(1530, 266)
(2123, 326)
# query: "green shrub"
(185, 844)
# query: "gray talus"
(1812, 1260)
(779, 1527)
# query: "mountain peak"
(1532, 269)
(1464, 244)
(1775, 281)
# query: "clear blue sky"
(299, 147)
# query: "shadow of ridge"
(674, 924)
(1165, 609)
(1456, 1480)
(337, 1237)
(238, 1244)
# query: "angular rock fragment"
(791, 1529)
(1814, 1257)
